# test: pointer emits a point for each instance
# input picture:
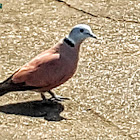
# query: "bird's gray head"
(79, 33)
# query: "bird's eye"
(81, 30)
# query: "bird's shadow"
(49, 110)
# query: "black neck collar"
(70, 43)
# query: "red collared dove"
(50, 68)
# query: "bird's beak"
(93, 35)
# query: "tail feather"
(8, 86)
(4, 86)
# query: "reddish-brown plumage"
(50, 68)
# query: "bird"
(51, 68)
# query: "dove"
(50, 68)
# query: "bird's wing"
(36, 69)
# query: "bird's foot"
(54, 98)
(58, 98)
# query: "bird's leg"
(57, 98)
(44, 99)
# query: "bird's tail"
(3, 89)
(8, 86)
(5, 86)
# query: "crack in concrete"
(88, 13)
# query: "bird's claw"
(54, 98)
(58, 98)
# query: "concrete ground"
(105, 91)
